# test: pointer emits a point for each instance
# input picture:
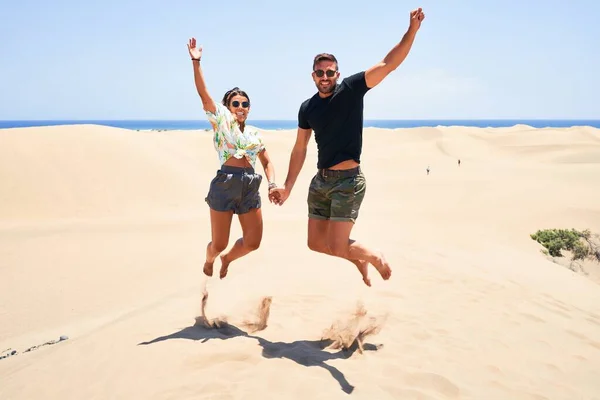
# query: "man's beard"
(328, 89)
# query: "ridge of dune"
(87, 171)
(102, 238)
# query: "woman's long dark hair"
(233, 92)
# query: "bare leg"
(318, 233)
(252, 230)
(342, 246)
(220, 222)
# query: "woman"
(234, 189)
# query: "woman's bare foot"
(363, 268)
(208, 268)
(224, 266)
(383, 267)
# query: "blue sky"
(127, 59)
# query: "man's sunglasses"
(245, 104)
(330, 73)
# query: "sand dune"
(90, 172)
(102, 237)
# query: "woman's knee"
(219, 245)
(252, 243)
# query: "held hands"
(278, 195)
(194, 52)
(416, 17)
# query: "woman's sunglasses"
(245, 104)
(330, 73)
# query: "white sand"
(102, 238)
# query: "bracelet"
(272, 185)
(196, 59)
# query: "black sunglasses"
(236, 103)
(330, 73)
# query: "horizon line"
(277, 120)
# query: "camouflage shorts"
(336, 195)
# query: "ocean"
(291, 124)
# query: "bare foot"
(363, 268)
(224, 266)
(208, 268)
(383, 267)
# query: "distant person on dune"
(235, 188)
(459, 162)
(337, 190)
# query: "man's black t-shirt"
(337, 121)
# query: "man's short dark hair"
(325, 57)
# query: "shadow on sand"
(309, 353)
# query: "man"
(335, 114)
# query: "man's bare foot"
(383, 267)
(208, 268)
(363, 268)
(224, 266)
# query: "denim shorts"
(234, 189)
(336, 195)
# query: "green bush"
(579, 243)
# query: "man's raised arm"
(376, 74)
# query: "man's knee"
(339, 249)
(317, 234)
(317, 245)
